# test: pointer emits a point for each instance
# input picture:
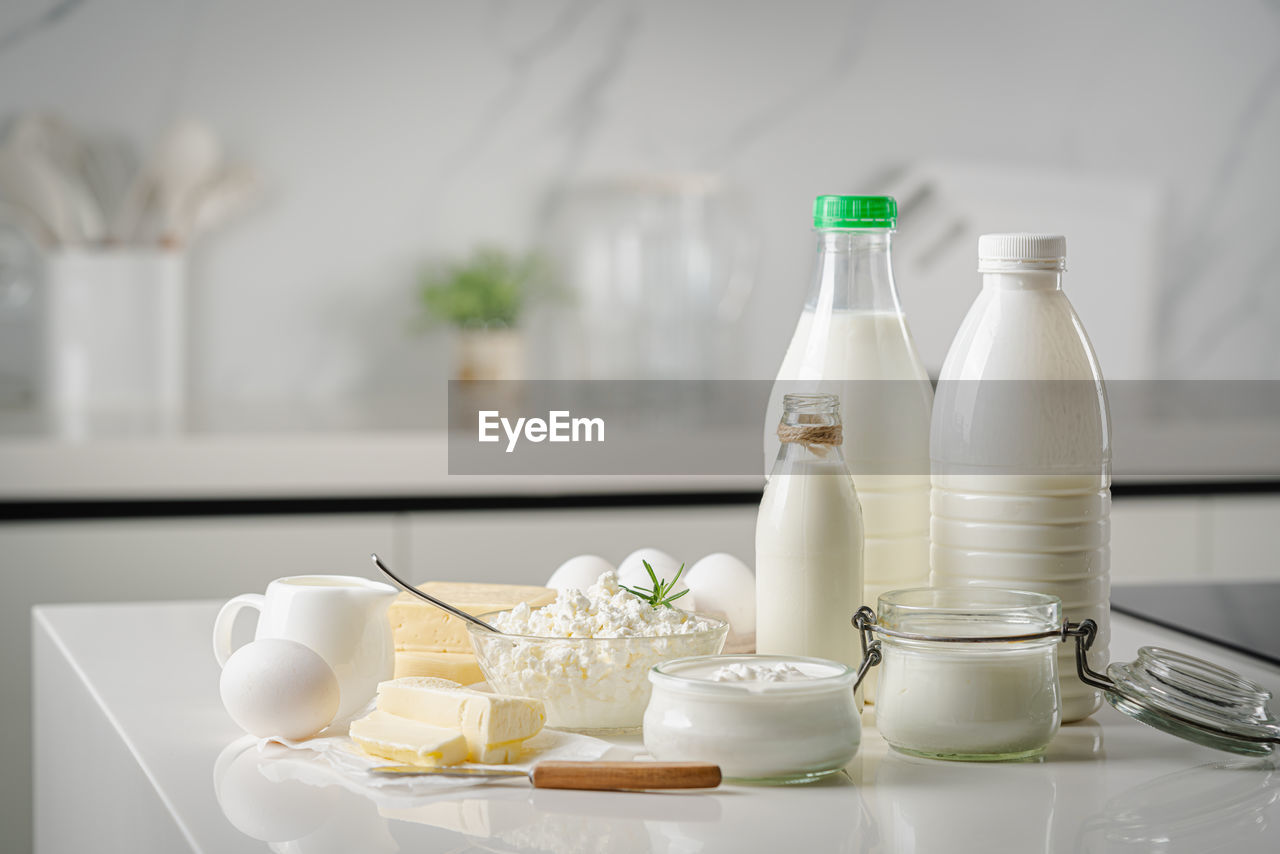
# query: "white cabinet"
(525, 547)
(1153, 540)
(1188, 538)
(1158, 539)
(131, 560)
(1243, 536)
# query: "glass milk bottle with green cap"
(852, 340)
(1021, 448)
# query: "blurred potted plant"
(482, 298)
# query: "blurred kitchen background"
(249, 380)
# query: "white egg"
(632, 573)
(279, 688)
(579, 573)
(725, 587)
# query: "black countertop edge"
(1207, 486)
(17, 510)
(45, 510)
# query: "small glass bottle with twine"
(809, 539)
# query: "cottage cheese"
(605, 610)
(587, 655)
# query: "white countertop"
(381, 449)
(295, 465)
(382, 464)
(396, 449)
(1105, 784)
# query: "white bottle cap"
(1004, 252)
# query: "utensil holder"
(115, 334)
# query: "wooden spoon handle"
(626, 775)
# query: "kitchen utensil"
(584, 775)
(215, 202)
(187, 157)
(408, 588)
(109, 165)
(32, 186)
(52, 146)
(341, 617)
(50, 136)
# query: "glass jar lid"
(1194, 699)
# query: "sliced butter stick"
(494, 725)
(411, 742)
(456, 666)
(497, 754)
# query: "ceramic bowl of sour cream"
(761, 718)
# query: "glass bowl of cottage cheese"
(587, 655)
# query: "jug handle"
(226, 618)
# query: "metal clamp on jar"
(971, 674)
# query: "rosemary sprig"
(660, 594)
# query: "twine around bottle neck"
(811, 434)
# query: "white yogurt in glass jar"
(765, 718)
(952, 699)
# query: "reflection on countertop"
(885, 802)
(1227, 805)
(274, 796)
(296, 805)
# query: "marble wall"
(393, 132)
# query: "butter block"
(419, 626)
(458, 667)
(409, 741)
(495, 726)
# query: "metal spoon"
(407, 588)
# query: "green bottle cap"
(855, 212)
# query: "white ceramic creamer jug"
(341, 617)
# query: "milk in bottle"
(1020, 446)
(809, 539)
(852, 340)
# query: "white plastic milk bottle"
(809, 539)
(1021, 448)
(852, 340)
